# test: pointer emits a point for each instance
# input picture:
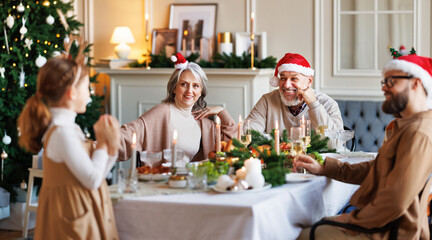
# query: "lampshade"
(122, 35)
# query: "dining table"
(156, 211)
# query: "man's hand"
(305, 93)
(208, 111)
(312, 166)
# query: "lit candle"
(174, 149)
(185, 33)
(276, 134)
(147, 25)
(239, 128)
(303, 125)
(252, 22)
(133, 147)
(218, 135)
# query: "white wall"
(288, 23)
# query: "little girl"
(74, 201)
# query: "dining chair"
(393, 226)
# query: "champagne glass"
(296, 135)
(307, 134)
(150, 158)
(333, 135)
(246, 137)
(321, 129)
(344, 136)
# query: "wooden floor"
(13, 235)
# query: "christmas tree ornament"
(55, 53)
(23, 29)
(22, 77)
(2, 72)
(28, 42)
(10, 21)
(6, 139)
(6, 39)
(63, 19)
(66, 39)
(4, 155)
(40, 61)
(20, 7)
(50, 20)
(87, 133)
(23, 185)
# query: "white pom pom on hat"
(291, 62)
(180, 61)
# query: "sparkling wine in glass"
(296, 136)
(321, 129)
(246, 137)
(151, 158)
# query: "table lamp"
(122, 36)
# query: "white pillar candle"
(218, 135)
(252, 165)
(174, 149)
(239, 128)
(276, 134)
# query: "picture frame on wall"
(243, 44)
(196, 24)
(164, 40)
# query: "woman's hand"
(312, 166)
(107, 131)
(208, 111)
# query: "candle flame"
(217, 120)
(240, 119)
(146, 16)
(185, 32)
(243, 168)
(277, 125)
(133, 139)
(175, 136)
(252, 15)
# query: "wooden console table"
(135, 90)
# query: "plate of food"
(337, 156)
(299, 177)
(249, 190)
(160, 173)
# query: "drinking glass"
(307, 134)
(181, 159)
(150, 158)
(321, 129)
(197, 175)
(246, 137)
(296, 136)
(127, 181)
(344, 136)
(333, 135)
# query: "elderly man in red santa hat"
(294, 99)
(394, 187)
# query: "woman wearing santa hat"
(185, 110)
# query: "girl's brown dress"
(68, 210)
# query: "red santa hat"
(291, 62)
(180, 61)
(417, 66)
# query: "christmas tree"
(33, 31)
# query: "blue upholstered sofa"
(367, 120)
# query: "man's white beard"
(287, 103)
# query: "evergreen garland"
(47, 41)
(218, 61)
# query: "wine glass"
(246, 137)
(344, 136)
(321, 129)
(333, 135)
(296, 135)
(307, 134)
(150, 158)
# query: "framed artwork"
(196, 24)
(164, 40)
(243, 44)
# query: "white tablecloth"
(277, 213)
